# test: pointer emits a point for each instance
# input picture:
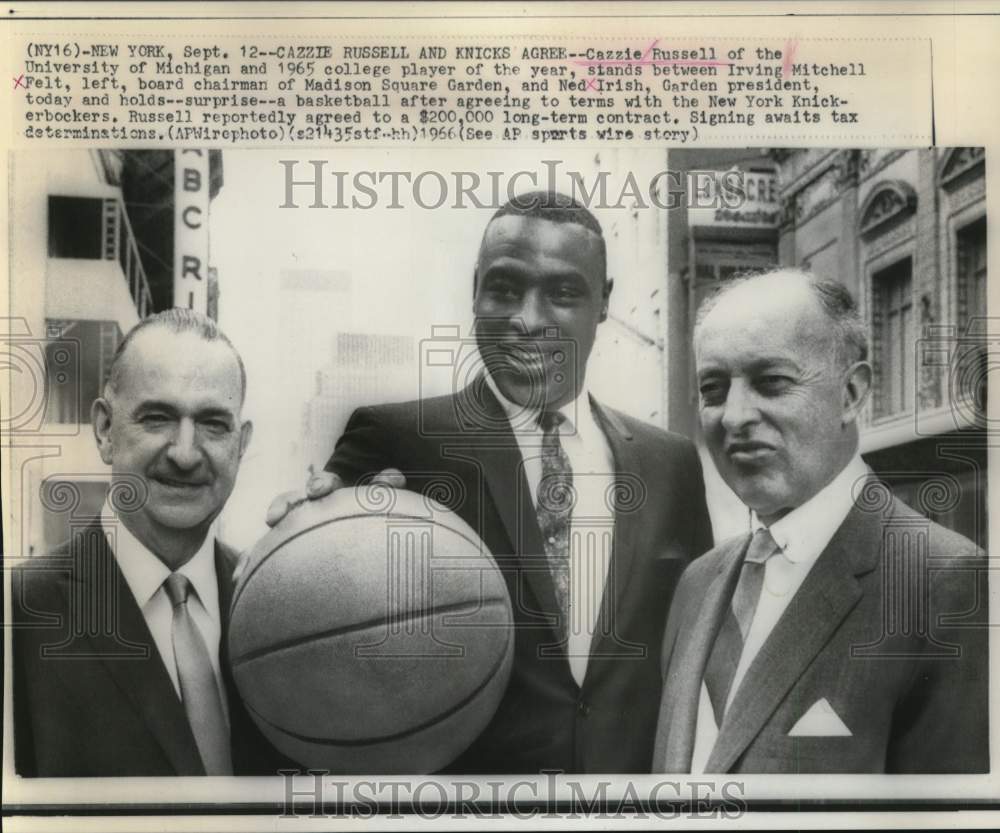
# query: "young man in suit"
(847, 632)
(590, 514)
(119, 641)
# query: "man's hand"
(320, 485)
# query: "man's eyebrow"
(209, 412)
(770, 362)
(504, 269)
(568, 275)
(753, 366)
(154, 405)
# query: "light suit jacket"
(887, 628)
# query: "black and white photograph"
(497, 416)
(625, 462)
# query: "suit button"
(583, 708)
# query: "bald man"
(119, 640)
(845, 632)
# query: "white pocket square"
(820, 721)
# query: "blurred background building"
(333, 310)
(349, 306)
(94, 252)
(905, 231)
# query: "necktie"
(725, 656)
(554, 509)
(199, 687)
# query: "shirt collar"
(145, 572)
(577, 415)
(805, 532)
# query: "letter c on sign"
(192, 223)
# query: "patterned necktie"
(728, 648)
(199, 687)
(555, 507)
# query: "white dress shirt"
(145, 573)
(802, 535)
(593, 518)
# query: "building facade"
(905, 231)
(91, 254)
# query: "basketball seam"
(398, 735)
(256, 653)
(246, 579)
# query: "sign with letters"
(191, 186)
(759, 206)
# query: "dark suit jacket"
(888, 627)
(463, 445)
(92, 696)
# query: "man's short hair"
(834, 299)
(556, 208)
(176, 320)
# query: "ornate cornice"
(959, 161)
(888, 201)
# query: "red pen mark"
(790, 47)
(592, 83)
(19, 82)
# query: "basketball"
(371, 632)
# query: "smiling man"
(846, 633)
(590, 577)
(540, 291)
(119, 657)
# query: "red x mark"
(19, 82)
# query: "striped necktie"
(728, 648)
(199, 688)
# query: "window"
(895, 339)
(970, 244)
(76, 227)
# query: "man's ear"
(609, 284)
(475, 285)
(100, 420)
(246, 433)
(857, 386)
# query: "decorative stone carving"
(848, 168)
(870, 162)
(789, 211)
(889, 201)
(819, 194)
(956, 162)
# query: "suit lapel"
(628, 473)
(682, 688)
(225, 563)
(830, 591)
(507, 490)
(143, 679)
